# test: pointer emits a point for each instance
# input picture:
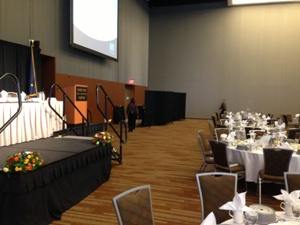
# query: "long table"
(73, 169)
(35, 121)
(253, 162)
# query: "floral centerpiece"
(23, 162)
(103, 137)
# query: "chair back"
(248, 129)
(220, 156)
(134, 206)
(219, 131)
(214, 121)
(293, 133)
(277, 161)
(211, 128)
(215, 189)
(292, 181)
(204, 141)
(258, 133)
(201, 145)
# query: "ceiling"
(159, 3)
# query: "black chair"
(292, 181)
(221, 163)
(276, 162)
(205, 150)
(248, 129)
(293, 133)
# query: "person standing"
(131, 114)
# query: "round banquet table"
(280, 215)
(36, 120)
(253, 161)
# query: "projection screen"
(94, 26)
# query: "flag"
(31, 81)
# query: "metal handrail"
(14, 116)
(65, 96)
(104, 114)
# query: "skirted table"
(73, 169)
(36, 120)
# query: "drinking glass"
(250, 217)
(296, 209)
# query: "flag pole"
(33, 67)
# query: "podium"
(78, 94)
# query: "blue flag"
(31, 82)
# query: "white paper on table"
(238, 203)
(288, 197)
(209, 220)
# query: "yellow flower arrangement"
(103, 137)
(23, 162)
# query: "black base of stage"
(73, 169)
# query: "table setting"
(259, 214)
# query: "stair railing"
(104, 113)
(15, 115)
(67, 98)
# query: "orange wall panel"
(115, 90)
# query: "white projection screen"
(94, 26)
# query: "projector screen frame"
(88, 50)
(231, 3)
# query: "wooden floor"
(166, 157)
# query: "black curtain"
(162, 107)
(15, 58)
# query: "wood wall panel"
(115, 90)
(139, 95)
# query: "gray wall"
(249, 56)
(48, 22)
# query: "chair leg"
(201, 167)
(259, 190)
(204, 167)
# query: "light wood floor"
(166, 157)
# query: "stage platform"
(74, 167)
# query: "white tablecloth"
(35, 121)
(254, 162)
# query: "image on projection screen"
(95, 26)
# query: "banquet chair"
(293, 133)
(205, 150)
(276, 162)
(134, 206)
(248, 129)
(214, 121)
(216, 189)
(291, 181)
(220, 157)
(258, 133)
(211, 128)
(219, 131)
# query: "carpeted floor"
(166, 157)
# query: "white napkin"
(231, 136)
(210, 220)
(238, 203)
(23, 96)
(288, 197)
(4, 94)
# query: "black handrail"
(66, 97)
(106, 120)
(14, 116)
